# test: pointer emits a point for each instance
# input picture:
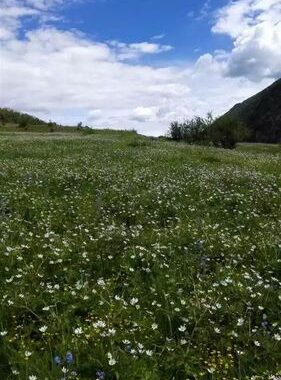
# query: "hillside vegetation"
(13, 121)
(9, 116)
(261, 114)
(257, 119)
(129, 258)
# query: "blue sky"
(183, 24)
(135, 63)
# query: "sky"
(135, 64)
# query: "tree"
(23, 124)
(175, 131)
(225, 132)
(2, 120)
(193, 130)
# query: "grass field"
(130, 258)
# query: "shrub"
(225, 132)
(23, 124)
(175, 132)
(192, 131)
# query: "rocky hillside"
(261, 114)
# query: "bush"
(223, 132)
(226, 132)
(23, 124)
(175, 132)
(192, 131)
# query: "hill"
(14, 121)
(8, 116)
(261, 114)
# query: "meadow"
(128, 258)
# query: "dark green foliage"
(23, 124)
(226, 132)
(79, 125)
(175, 131)
(223, 132)
(9, 116)
(52, 126)
(191, 131)
(4, 364)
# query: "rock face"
(261, 114)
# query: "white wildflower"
(134, 301)
(240, 322)
(277, 337)
(182, 328)
(78, 331)
(43, 329)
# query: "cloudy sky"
(135, 63)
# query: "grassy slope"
(161, 254)
(40, 128)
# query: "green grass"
(15, 128)
(146, 259)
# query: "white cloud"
(136, 50)
(158, 37)
(255, 27)
(10, 19)
(53, 73)
(64, 76)
(145, 114)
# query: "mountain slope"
(261, 114)
(10, 116)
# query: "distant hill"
(14, 121)
(10, 116)
(261, 114)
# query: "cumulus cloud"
(59, 71)
(255, 27)
(64, 76)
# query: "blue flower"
(128, 348)
(57, 360)
(69, 357)
(100, 375)
(199, 244)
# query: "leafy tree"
(225, 132)
(175, 131)
(23, 124)
(79, 125)
(193, 130)
(2, 120)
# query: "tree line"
(222, 132)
